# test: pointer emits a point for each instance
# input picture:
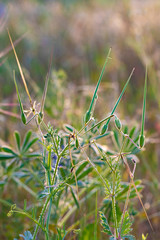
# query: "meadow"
(79, 120)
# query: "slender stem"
(30, 217)
(104, 156)
(55, 171)
(114, 205)
(103, 120)
(41, 216)
(49, 213)
(94, 167)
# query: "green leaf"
(30, 144)
(75, 199)
(116, 138)
(33, 155)
(106, 125)
(117, 182)
(18, 139)
(104, 224)
(6, 157)
(81, 167)
(27, 235)
(85, 173)
(125, 225)
(68, 128)
(8, 150)
(26, 139)
(108, 188)
(131, 134)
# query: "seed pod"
(104, 129)
(141, 140)
(87, 116)
(23, 117)
(77, 143)
(40, 117)
(118, 123)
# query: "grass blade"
(89, 112)
(23, 117)
(104, 128)
(9, 48)
(144, 104)
(46, 83)
(141, 136)
(20, 69)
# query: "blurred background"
(80, 34)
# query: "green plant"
(68, 157)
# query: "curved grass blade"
(20, 69)
(9, 48)
(23, 117)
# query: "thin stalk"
(95, 224)
(144, 104)
(74, 172)
(74, 208)
(138, 195)
(124, 88)
(95, 169)
(104, 156)
(30, 217)
(114, 206)
(55, 171)
(49, 213)
(99, 123)
(41, 216)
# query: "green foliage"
(125, 225)
(27, 235)
(105, 224)
(70, 167)
(23, 149)
(89, 113)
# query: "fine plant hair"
(69, 155)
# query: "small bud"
(87, 116)
(23, 117)
(72, 169)
(104, 129)
(118, 123)
(141, 140)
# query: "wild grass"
(72, 166)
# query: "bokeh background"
(80, 32)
